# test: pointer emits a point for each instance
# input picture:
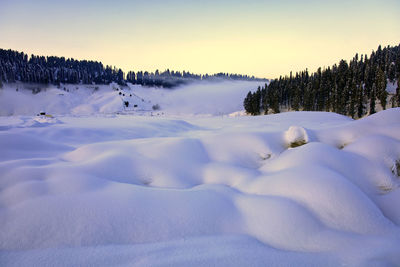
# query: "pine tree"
(381, 83)
(392, 72)
(275, 102)
(352, 105)
(372, 102)
(361, 101)
(397, 96)
(247, 103)
(264, 105)
(296, 98)
(256, 102)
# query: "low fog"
(204, 97)
(215, 98)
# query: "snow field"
(200, 190)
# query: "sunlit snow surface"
(185, 190)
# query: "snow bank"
(226, 191)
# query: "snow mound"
(237, 113)
(41, 121)
(296, 136)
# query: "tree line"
(170, 79)
(17, 66)
(349, 88)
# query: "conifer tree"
(247, 103)
(397, 96)
(264, 105)
(352, 105)
(381, 87)
(275, 103)
(296, 99)
(372, 102)
(361, 101)
(256, 102)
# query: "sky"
(263, 38)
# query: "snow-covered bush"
(296, 136)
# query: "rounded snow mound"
(41, 121)
(296, 136)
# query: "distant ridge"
(18, 66)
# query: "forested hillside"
(18, 66)
(349, 88)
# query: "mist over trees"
(17, 66)
(349, 88)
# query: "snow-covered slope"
(213, 98)
(28, 99)
(294, 189)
